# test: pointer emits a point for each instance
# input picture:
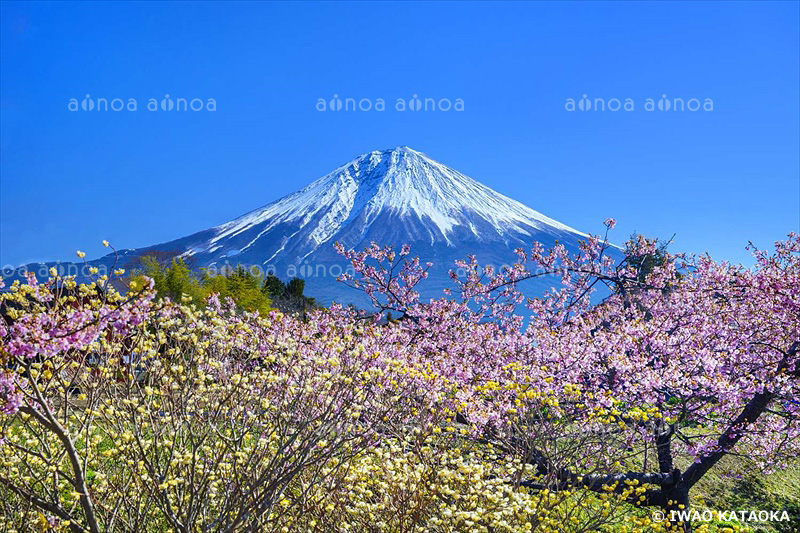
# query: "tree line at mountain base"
(250, 291)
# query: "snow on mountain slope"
(402, 181)
(393, 196)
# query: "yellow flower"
(80, 254)
(105, 243)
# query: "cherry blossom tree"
(613, 393)
(674, 369)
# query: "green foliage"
(273, 286)
(645, 263)
(295, 287)
(241, 285)
(288, 297)
(250, 290)
(177, 282)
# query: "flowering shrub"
(166, 414)
(120, 412)
(687, 361)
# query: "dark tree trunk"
(677, 507)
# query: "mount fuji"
(398, 196)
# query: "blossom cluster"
(123, 412)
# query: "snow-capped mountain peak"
(402, 182)
(397, 196)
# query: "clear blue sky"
(718, 179)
